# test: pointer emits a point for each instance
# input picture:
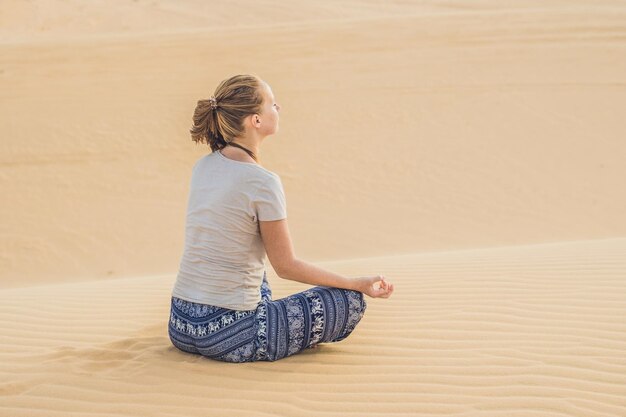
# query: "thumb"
(379, 278)
(377, 292)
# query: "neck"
(250, 144)
(253, 153)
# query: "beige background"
(471, 151)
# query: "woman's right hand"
(375, 286)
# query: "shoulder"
(274, 180)
(269, 181)
(202, 161)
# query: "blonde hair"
(219, 119)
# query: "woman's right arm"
(279, 249)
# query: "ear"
(255, 120)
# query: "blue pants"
(274, 330)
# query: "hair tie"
(213, 102)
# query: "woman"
(221, 304)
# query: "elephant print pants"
(274, 330)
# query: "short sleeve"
(269, 202)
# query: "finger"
(386, 293)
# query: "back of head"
(219, 119)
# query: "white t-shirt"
(223, 259)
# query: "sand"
(470, 151)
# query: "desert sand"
(472, 152)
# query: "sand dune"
(472, 152)
(533, 330)
(404, 131)
(71, 19)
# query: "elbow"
(284, 270)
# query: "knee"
(356, 303)
(356, 309)
(359, 304)
(363, 302)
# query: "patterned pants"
(275, 330)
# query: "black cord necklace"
(247, 151)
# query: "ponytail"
(219, 119)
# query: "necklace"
(247, 151)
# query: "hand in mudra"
(375, 286)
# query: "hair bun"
(239, 96)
